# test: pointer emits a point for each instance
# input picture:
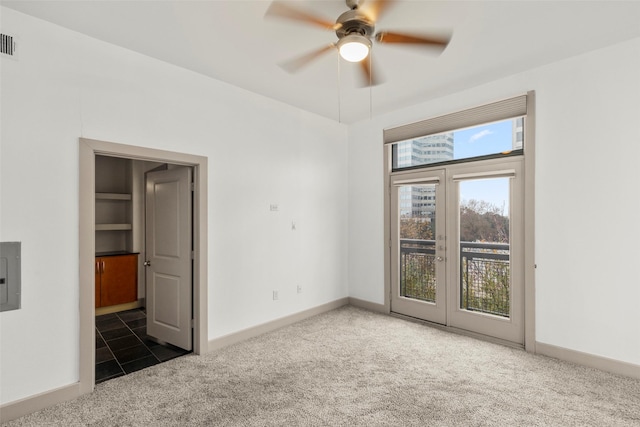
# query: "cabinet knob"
(147, 263)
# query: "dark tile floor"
(122, 345)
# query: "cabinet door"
(98, 269)
(119, 281)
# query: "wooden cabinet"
(116, 279)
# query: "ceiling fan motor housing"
(354, 22)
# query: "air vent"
(7, 45)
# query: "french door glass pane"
(484, 218)
(417, 207)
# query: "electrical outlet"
(299, 289)
(275, 295)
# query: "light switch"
(9, 276)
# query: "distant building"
(419, 201)
(518, 133)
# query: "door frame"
(88, 149)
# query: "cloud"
(479, 135)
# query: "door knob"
(439, 258)
(147, 263)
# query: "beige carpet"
(351, 367)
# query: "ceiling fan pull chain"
(370, 87)
(339, 91)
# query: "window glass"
(494, 139)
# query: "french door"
(457, 247)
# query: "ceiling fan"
(355, 30)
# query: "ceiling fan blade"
(297, 63)
(282, 10)
(389, 37)
(370, 74)
(375, 8)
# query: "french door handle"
(147, 263)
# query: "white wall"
(260, 152)
(587, 227)
(65, 86)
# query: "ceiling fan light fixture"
(354, 47)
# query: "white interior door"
(168, 250)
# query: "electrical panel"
(9, 276)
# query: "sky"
(494, 191)
(477, 141)
(484, 139)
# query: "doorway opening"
(143, 280)
(117, 229)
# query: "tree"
(480, 221)
(416, 228)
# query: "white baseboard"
(367, 305)
(590, 360)
(19, 408)
(16, 409)
(245, 334)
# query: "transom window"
(498, 139)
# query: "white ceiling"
(232, 41)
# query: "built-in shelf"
(113, 204)
(112, 227)
(113, 196)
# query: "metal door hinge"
(193, 186)
(193, 323)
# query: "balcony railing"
(484, 274)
